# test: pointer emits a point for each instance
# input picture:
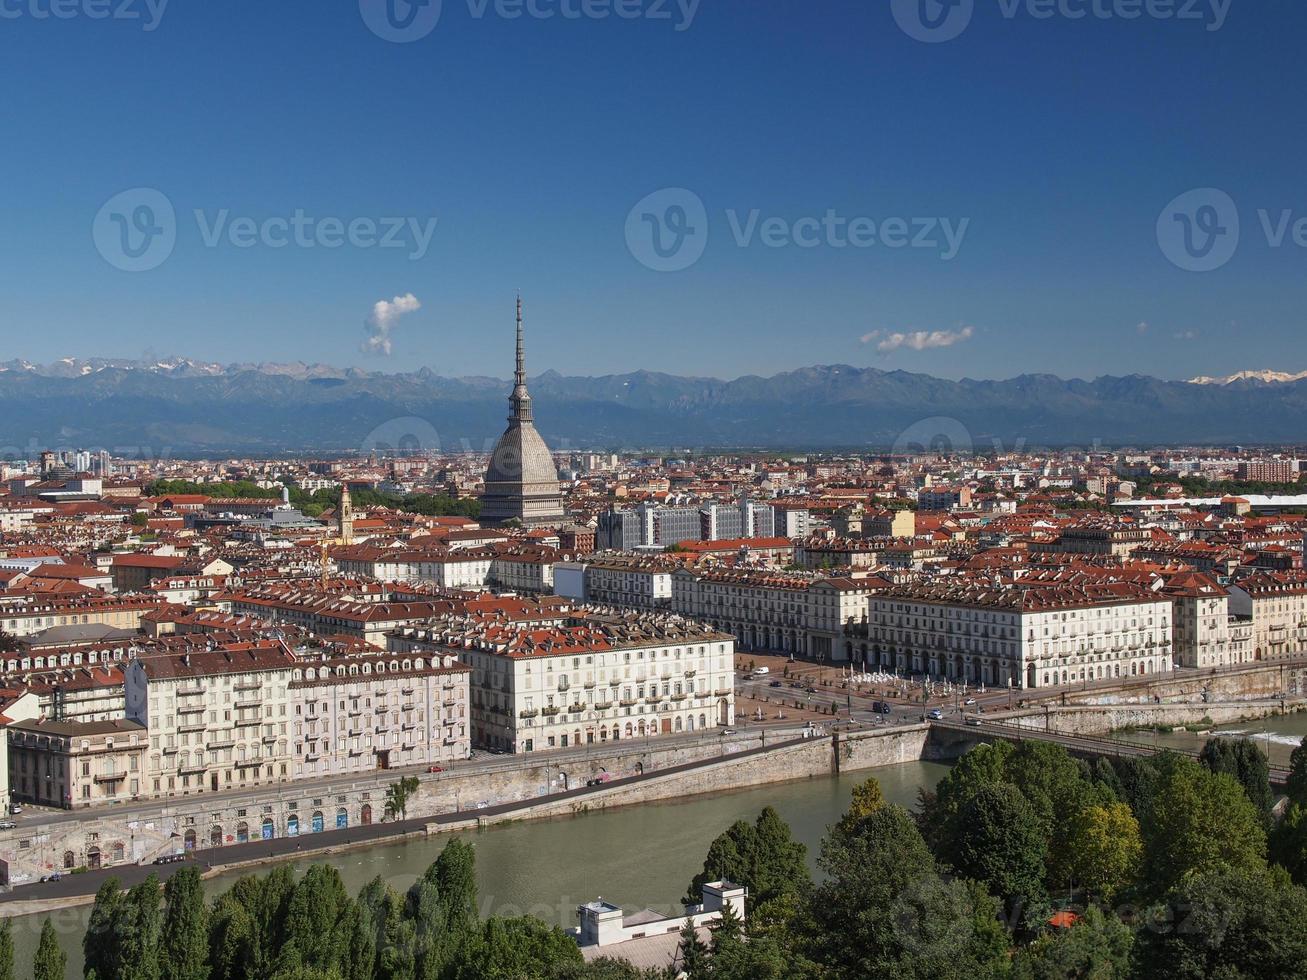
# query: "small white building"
(648, 939)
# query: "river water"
(1277, 737)
(638, 857)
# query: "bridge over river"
(957, 734)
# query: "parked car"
(52, 876)
(881, 707)
(482, 804)
(435, 769)
(599, 780)
(761, 671)
(170, 858)
(15, 808)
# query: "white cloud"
(1185, 335)
(1142, 328)
(382, 320)
(917, 339)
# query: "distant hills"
(184, 407)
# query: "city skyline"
(865, 199)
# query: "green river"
(639, 856)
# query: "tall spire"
(520, 399)
(520, 377)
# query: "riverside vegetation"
(1023, 863)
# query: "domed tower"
(521, 480)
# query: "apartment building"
(804, 614)
(1205, 633)
(28, 615)
(217, 719)
(1022, 637)
(586, 678)
(329, 615)
(361, 712)
(70, 764)
(1276, 602)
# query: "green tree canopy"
(51, 962)
(1098, 947)
(185, 927)
(1000, 843)
(1247, 764)
(1231, 923)
(1104, 849)
(1198, 822)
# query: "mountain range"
(178, 406)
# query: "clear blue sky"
(530, 140)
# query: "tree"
(51, 961)
(692, 952)
(393, 937)
(763, 856)
(185, 928)
(884, 910)
(1098, 947)
(1288, 845)
(516, 949)
(1227, 923)
(1296, 788)
(317, 925)
(456, 881)
(100, 947)
(234, 948)
(1247, 764)
(1198, 821)
(398, 794)
(1000, 843)
(1104, 849)
(982, 766)
(7, 950)
(867, 799)
(140, 931)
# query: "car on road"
(729, 731)
(482, 804)
(15, 808)
(7, 825)
(775, 684)
(435, 769)
(52, 876)
(810, 690)
(881, 707)
(936, 714)
(969, 701)
(599, 780)
(761, 671)
(169, 858)
(973, 721)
